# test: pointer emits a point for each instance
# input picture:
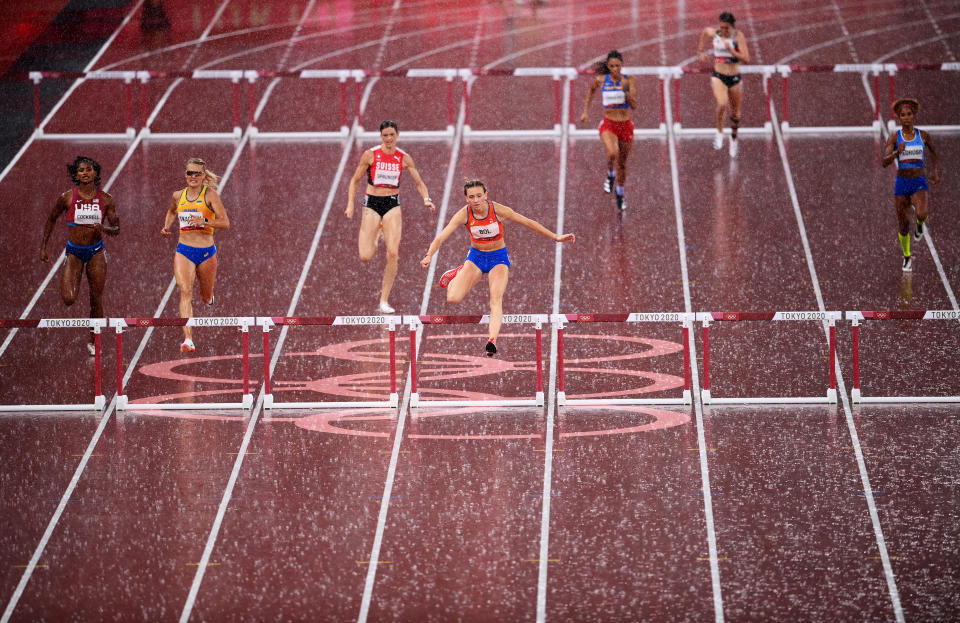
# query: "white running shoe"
(385, 308)
(919, 234)
(212, 299)
(187, 346)
(908, 264)
(734, 145)
(608, 184)
(718, 140)
(91, 349)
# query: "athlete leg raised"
(460, 285)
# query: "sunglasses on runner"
(194, 173)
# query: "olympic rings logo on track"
(436, 368)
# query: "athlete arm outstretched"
(458, 220)
(512, 215)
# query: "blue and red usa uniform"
(85, 212)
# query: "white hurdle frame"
(686, 319)
(243, 323)
(416, 322)
(390, 322)
(856, 317)
(829, 317)
(96, 324)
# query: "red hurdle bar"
(390, 322)
(241, 322)
(830, 317)
(686, 320)
(415, 322)
(856, 317)
(94, 324)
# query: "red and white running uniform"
(386, 168)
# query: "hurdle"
(416, 322)
(96, 324)
(241, 322)
(830, 317)
(686, 320)
(390, 322)
(856, 317)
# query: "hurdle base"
(416, 403)
(599, 402)
(905, 399)
(762, 400)
(392, 403)
(180, 406)
(75, 407)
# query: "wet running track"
(769, 512)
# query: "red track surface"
(576, 514)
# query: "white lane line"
(374, 558)
(695, 374)
(64, 499)
(54, 520)
(938, 30)
(542, 572)
(841, 386)
(258, 407)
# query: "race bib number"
(387, 174)
(185, 218)
(484, 232)
(912, 153)
(614, 98)
(87, 214)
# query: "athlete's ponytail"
(210, 179)
(602, 67)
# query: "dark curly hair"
(72, 168)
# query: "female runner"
(908, 147)
(488, 251)
(381, 203)
(729, 48)
(199, 211)
(619, 95)
(86, 206)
